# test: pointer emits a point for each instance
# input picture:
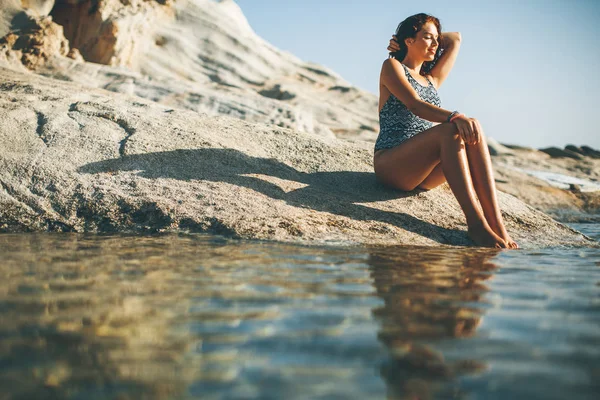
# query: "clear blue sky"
(528, 70)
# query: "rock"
(496, 148)
(203, 46)
(534, 191)
(574, 149)
(556, 152)
(583, 150)
(201, 55)
(588, 151)
(544, 183)
(37, 41)
(75, 55)
(276, 92)
(39, 8)
(573, 187)
(88, 160)
(111, 32)
(517, 147)
(10, 12)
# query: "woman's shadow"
(334, 192)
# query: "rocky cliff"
(200, 55)
(153, 116)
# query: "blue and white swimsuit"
(397, 123)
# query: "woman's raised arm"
(450, 42)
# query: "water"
(176, 316)
(560, 181)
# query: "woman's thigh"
(407, 165)
(434, 179)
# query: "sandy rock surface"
(78, 159)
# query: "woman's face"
(425, 43)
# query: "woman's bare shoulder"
(391, 61)
(391, 66)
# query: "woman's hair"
(408, 29)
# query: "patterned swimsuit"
(397, 124)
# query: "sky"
(527, 70)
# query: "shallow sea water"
(199, 316)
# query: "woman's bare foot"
(484, 236)
(500, 230)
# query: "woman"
(411, 152)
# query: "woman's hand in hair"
(393, 46)
(469, 129)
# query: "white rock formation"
(8, 10)
(203, 55)
(77, 159)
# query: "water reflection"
(81, 317)
(89, 316)
(198, 316)
(429, 295)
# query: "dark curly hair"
(408, 29)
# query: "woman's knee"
(453, 134)
(449, 131)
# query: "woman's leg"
(408, 165)
(435, 179)
(480, 166)
(483, 182)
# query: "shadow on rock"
(336, 192)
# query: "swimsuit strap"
(410, 76)
(405, 69)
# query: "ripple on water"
(198, 316)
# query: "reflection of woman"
(411, 152)
(428, 297)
